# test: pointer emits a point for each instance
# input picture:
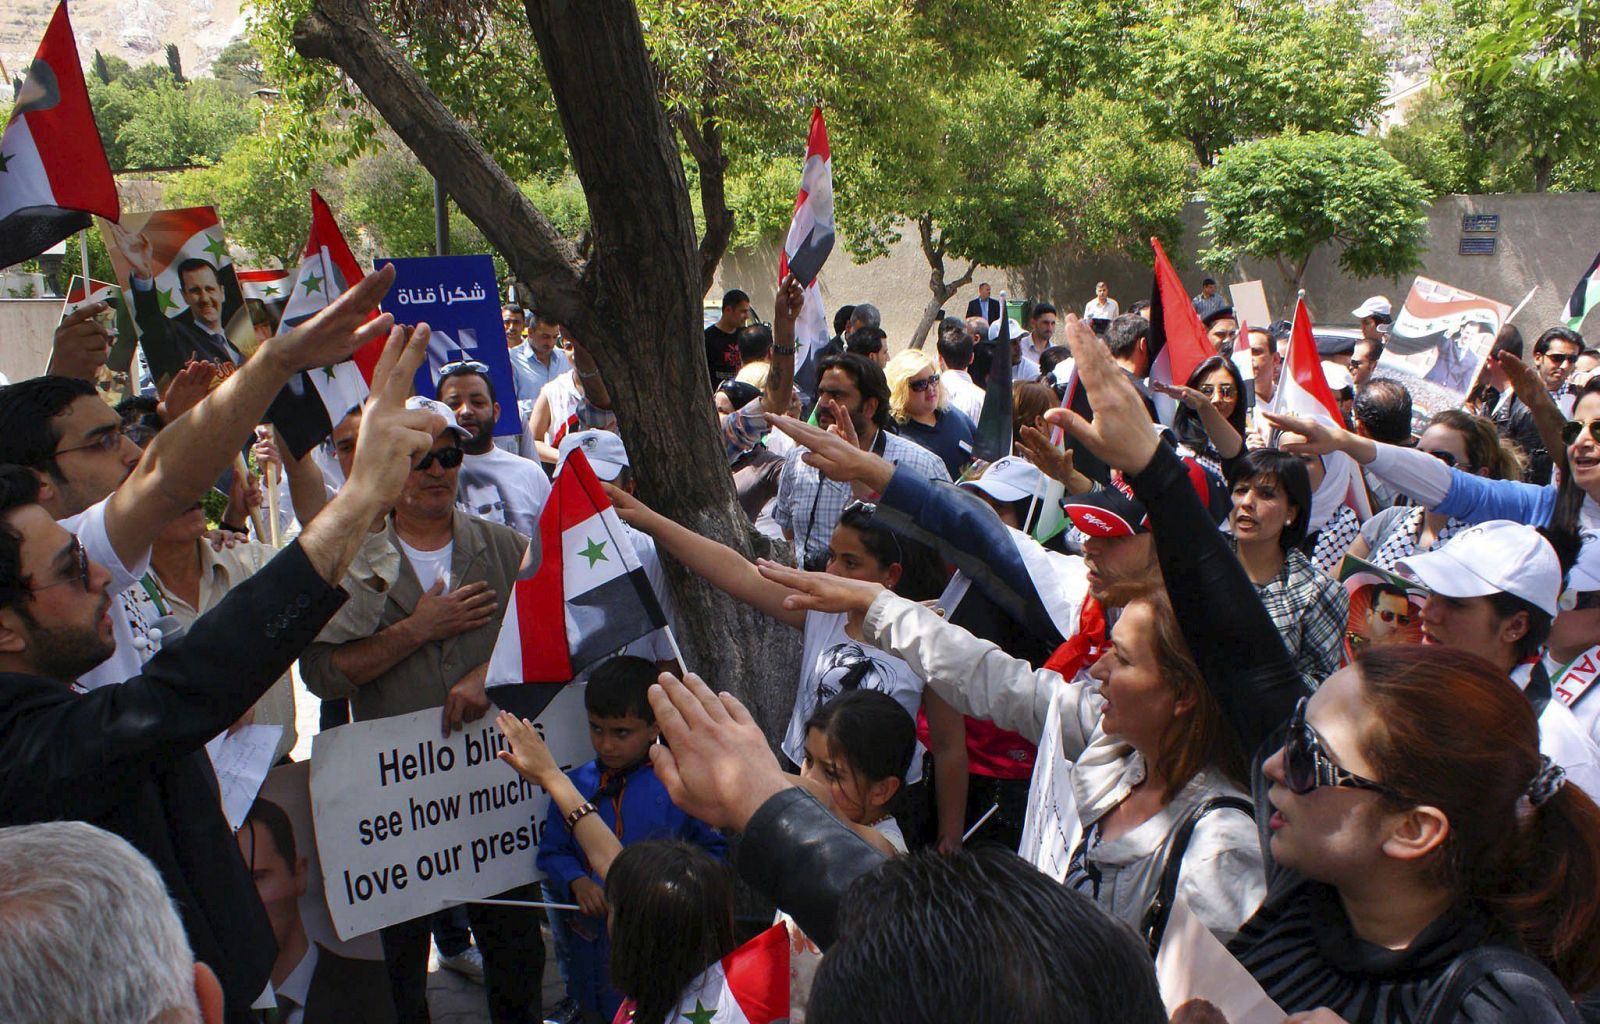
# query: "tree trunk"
(1542, 167)
(941, 291)
(634, 303)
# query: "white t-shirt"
(503, 488)
(963, 393)
(830, 663)
(430, 566)
(132, 611)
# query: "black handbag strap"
(1443, 1002)
(1154, 925)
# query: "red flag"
(810, 238)
(1302, 386)
(53, 169)
(1178, 340)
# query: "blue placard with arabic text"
(456, 296)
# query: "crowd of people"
(1385, 821)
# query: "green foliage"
(147, 119)
(175, 63)
(240, 64)
(264, 205)
(1112, 187)
(561, 200)
(1282, 198)
(1524, 80)
(388, 199)
(1215, 72)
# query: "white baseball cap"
(602, 448)
(441, 410)
(1376, 306)
(1492, 558)
(1009, 479)
(1016, 331)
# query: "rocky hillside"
(136, 30)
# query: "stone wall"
(1545, 240)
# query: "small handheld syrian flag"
(53, 169)
(810, 240)
(1178, 340)
(581, 594)
(1585, 296)
(748, 986)
(1303, 391)
(306, 410)
(265, 293)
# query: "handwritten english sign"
(408, 823)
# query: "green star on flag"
(595, 552)
(329, 371)
(164, 300)
(701, 1015)
(216, 248)
(270, 289)
(5, 160)
(313, 283)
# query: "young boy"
(628, 797)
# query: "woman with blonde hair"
(922, 412)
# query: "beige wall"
(26, 329)
(1545, 240)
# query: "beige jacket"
(383, 591)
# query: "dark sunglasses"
(1392, 616)
(79, 573)
(1443, 456)
(1574, 429)
(447, 458)
(925, 384)
(1558, 358)
(1225, 390)
(1308, 766)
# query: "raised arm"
(720, 565)
(786, 307)
(1230, 634)
(533, 761)
(188, 456)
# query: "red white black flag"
(53, 170)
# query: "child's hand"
(528, 753)
(590, 898)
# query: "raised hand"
(1187, 395)
(81, 344)
(629, 508)
(335, 333)
(1318, 437)
(1120, 433)
(187, 387)
(787, 302)
(529, 754)
(835, 457)
(1055, 463)
(393, 438)
(821, 591)
(136, 249)
(716, 764)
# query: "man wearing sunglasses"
(1494, 590)
(130, 758)
(94, 480)
(1555, 353)
(427, 593)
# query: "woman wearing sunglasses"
(1409, 821)
(1210, 419)
(923, 413)
(1459, 440)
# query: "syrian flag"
(586, 596)
(748, 986)
(78, 296)
(1303, 391)
(1585, 296)
(810, 240)
(266, 292)
(53, 170)
(1178, 340)
(308, 407)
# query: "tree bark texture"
(634, 303)
(940, 289)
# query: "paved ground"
(451, 998)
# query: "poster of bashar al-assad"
(1439, 341)
(1384, 608)
(179, 281)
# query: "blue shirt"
(532, 375)
(951, 427)
(639, 809)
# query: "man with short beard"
(131, 758)
(494, 484)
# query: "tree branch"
(343, 32)
(705, 145)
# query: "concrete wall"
(1545, 240)
(26, 329)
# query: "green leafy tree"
(263, 205)
(146, 119)
(1214, 72)
(1523, 81)
(1283, 198)
(240, 64)
(387, 198)
(175, 63)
